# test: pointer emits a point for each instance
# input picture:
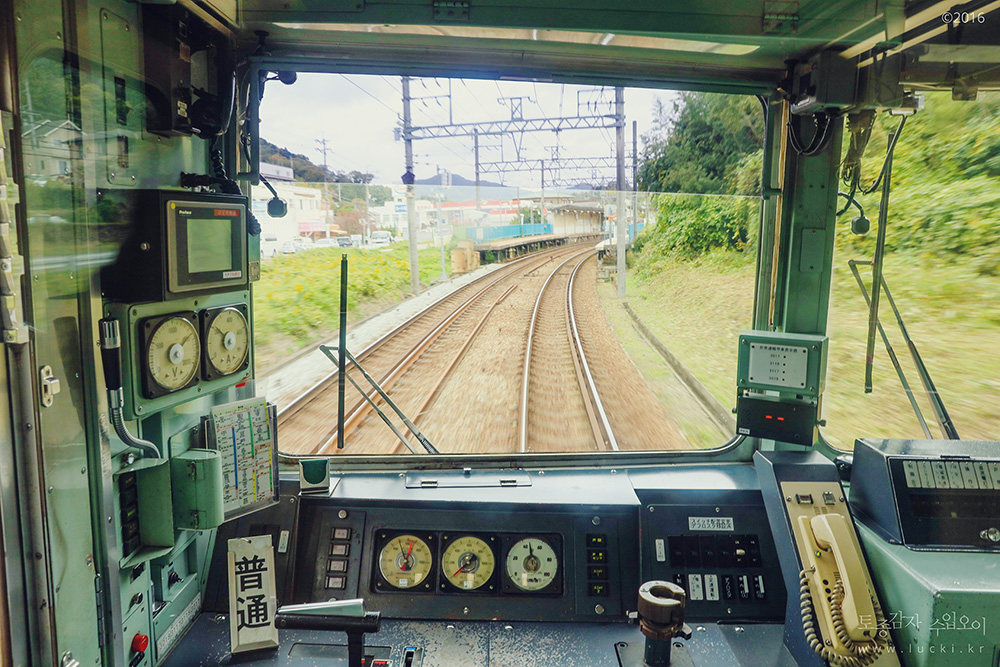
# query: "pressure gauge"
(468, 563)
(226, 336)
(405, 562)
(532, 565)
(172, 353)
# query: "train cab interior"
(157, 511)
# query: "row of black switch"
(336, 564)
(714, 551)
(597, 565)
(128, 502)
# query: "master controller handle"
(661, 619)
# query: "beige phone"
(849, 627)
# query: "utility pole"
(440, 229)
(635, 182)
(543, 193)
(621, 228)
(364, 239)
(326, 201)
(475, 134)
(411, 204)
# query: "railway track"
(560, 408)
(311, 418)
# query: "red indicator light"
(767, 416)
(241, 384)
(781, 419)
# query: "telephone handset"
(849, 628)
(833, 559)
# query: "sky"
(357, 114)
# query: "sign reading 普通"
(252, 602)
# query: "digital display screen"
(209, 244)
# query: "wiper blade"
(331, 353)
(948, 429)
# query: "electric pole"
(635, 181)
(620, 222)
(408, 177)
(364, 239)
(543, 193)
(475, 134)
(326, 202)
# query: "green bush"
(690, 225)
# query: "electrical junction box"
(790, 364)
(825, 82)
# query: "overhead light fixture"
(607, 39)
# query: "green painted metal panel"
(197, 489)
(808, 233)
(942, 606)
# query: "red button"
(140, 643)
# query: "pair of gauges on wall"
(468, 563)
(180, 349)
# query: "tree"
(697, 144)
(527, 216)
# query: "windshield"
(520, 338)
(941, 283)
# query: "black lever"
(356, 628)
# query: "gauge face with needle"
(227, 340)
(172, 354)
(468, 563)
(532, 564)
(405, 561)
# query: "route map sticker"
(244, 435)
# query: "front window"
(520, 341)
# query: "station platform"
(515, 247)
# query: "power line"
(396, 113)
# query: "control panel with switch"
(910, 493)
(714, 543)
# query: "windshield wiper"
(332, 355)
(937, 403)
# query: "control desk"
(519, 567)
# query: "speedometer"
(532, 564)
(405, 561)
(468, 563)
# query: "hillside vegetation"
(942, 263)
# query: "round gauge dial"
(405, 561)
(468, 563)
(227, 341)
(532, 564)
(173, 353)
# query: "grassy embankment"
(697, 308)
(297, 300)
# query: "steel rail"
(316, 390)
(609, 437)
(362, 408)
(435, 392)
(525, 381)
